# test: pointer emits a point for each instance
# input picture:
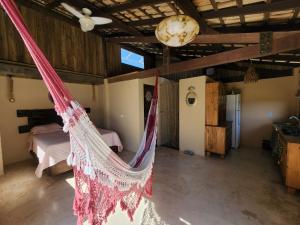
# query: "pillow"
(47, 128)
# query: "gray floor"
(243, 189)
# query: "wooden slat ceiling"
(216, 13)
(140, 17)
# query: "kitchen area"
(285, 144)
(267, 122)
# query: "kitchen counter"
(286, 150)
(289, 138)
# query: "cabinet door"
(209, 143)
(283, 163)
(215, 139)
(283, 156)
(293, 166)
(212, 104)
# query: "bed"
(51, 146)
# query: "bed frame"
(37, 117)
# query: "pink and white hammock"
(102, 179)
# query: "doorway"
(148, 93)
(168, 129)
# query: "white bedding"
(52, 148)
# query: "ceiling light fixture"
(176, 31)
(251, 76)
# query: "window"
(132, 59)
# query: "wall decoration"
(11, 97)
(191, 96)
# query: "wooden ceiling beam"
(146, 22)
(240, 5)
(229, 75)
(131, 5)
(30, 71)
(54, 4)
(188, 7)
(296, 13)
(208, 48)
(235, 72)
(283, 44)
(252, 9)
(272, 58)
(250, 27)
(285, 64)
(261, 27)
(267, 14)
(244, 66)
(236, 38)
(288, 58)
(214, 5)
(261, 71)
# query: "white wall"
(32, 94)
(263, 103)
(124, 110)
(192, 118)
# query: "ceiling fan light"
(176, 31)
(86, 24)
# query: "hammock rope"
(102, 179)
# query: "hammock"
(102, 179)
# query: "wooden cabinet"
(282, 148)
(217, 131)
(1, 159)
(215, 104)
(289, 161)
(292, 178)
(218, 139)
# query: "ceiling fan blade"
(101, 20)
(72, 10)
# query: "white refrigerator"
(233, 113)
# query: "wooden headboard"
(37, 117)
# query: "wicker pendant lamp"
(251, 76)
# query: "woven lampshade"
(251, 75)
(176, 31)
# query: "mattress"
(52, 148)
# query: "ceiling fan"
(87, 23)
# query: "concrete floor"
(243, 189)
